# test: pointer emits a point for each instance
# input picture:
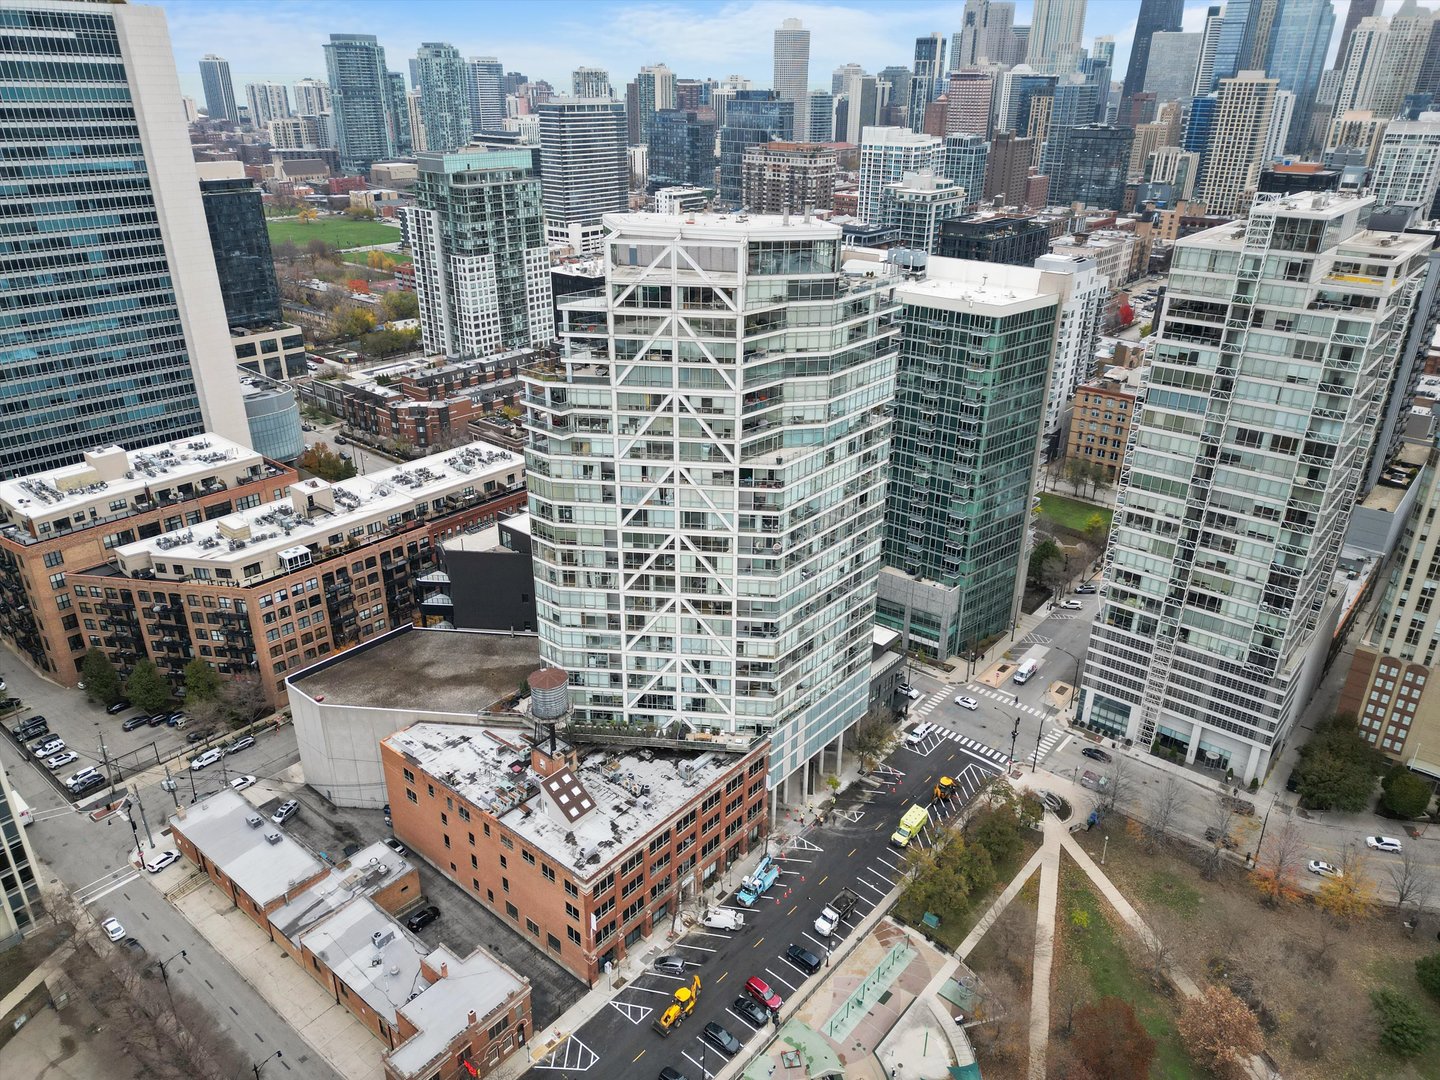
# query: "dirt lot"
(1308, 976)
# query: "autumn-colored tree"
(357, 284)
(325, 463)
(1278, 866)
(1109, 1040)
(1220, 1033)
(308, 214)
(1350, 896)
(353, 322)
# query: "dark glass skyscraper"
(752, 116)
(1155, 15)
(1089, 165)
(682, 150)
(236, 220)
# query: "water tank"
(549, 693)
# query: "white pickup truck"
(723, 919)
(835, 912)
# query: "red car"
(760, 990)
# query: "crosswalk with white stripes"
(1008, 700)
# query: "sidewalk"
(960, 671)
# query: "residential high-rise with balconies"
(361, 98)
(1407, 169)
(706, 508)
(485, 81)
(1234, 153)
(312, 97)
(1272, 359)
(591, 82)
(441, 74)
(584, 160)
(788, 178)
(886, 155)
(20, 908)
(482, 264)
(926, 77)
(268, 101)
(114, 328)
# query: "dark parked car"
(1094, 753)
(135, 722)
(803, 958)
(6, 704)
(32, 729)
(119, 707)
(722, 1040)
(87, 785)
(158, 719)
(751, 1010)
(199, 736)
(422, 918)
(667, 1073)
(1086, 590)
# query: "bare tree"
(1168, 805)
(1277, 864)
(1413, 883)
(1221, 820)
(1118, 789)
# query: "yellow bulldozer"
(682, 1006)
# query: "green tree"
(1427, 971)
(202, 682)
(1096, 528)
(1406, 795)
(325, 463)
(400, 304)
(359, 213)
(102, 681)
(997, 832)
(1043, 552)
(1337, 767)
(354, 322)
(1403, 1027)
(146, 689)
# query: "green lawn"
(338, 232)
(1099, 950)
(1072, 514)
(359, 257)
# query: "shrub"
(1403, 1028)
(1427, 971)
(1254, 784)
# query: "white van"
(1025, 670)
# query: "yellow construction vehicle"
(944, 789)
(675, 1013)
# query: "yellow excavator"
(945, 789)
(675, 1013)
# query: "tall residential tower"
(792, 72)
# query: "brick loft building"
(432, 1010)
(427, 403)
(1100, 421)
(583, 852)
(62, 520)
(276, 585)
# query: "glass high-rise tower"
(444, 96)
(706, 509)
(1277, 344)
(219, 89)
(360, 97)
(113, 330)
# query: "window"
(527, 856)
(573, 934)
(54, 558)
(410, 796)
(552, 941)
(533, 927)
(548, 872)
(570, 888)
(511, 910)
(572, 911)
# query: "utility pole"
(170, 787)
(146, 823)
(194, 795)
(139, 851)
(1014, 735)
(105, 757)
(1039, 731)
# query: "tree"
(1096, 528)
(202, 682)
(307, 214)
(1413, 883)
(102, 681)
(1220, 1033)
(321, 461)
(1118, 789)
(872, 741)
(400, 304)
(1277, 865)
(1054, 574)
(353, 322)
(146, 689)
(1168, 805)
(1350, 896)
(1042, 553)
(1406, 795)
(1221, 821)
(1337, 767)
(1403, 1027)
(1077, 472)
(1427, 973)
(359, 213)
(287, 251)
(1109, 1040)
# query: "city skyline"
(696, 40)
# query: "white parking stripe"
(743, 1019)
(697, 948)
(872, 888)
(777, 978)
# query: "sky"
(280, 40)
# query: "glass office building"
(235, 217)
(112, 328)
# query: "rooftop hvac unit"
(272, 838)
(254, 821)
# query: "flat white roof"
(220, 828)
(734, 226)
(364, 873)
(371, 954)
(632, 793)
(478, 983)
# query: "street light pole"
(1014, 736)
(261, 1064)
(165, 976)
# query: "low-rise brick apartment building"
(426, 403)
(276, 585)
(584, 852)
(67, 519)
(1101, 416)
(432, 1010)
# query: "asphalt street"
(852, 849)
